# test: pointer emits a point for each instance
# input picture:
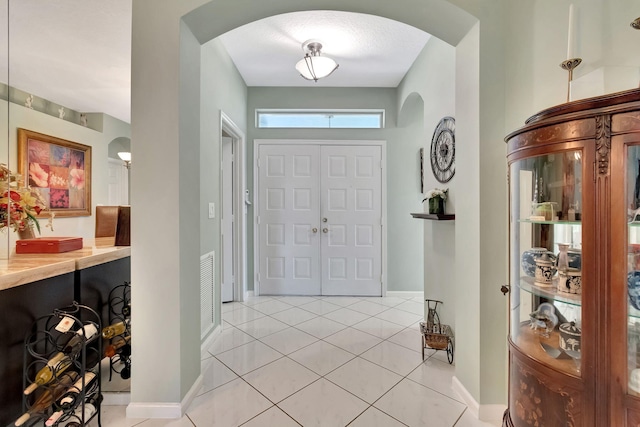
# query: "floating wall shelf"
(435, 217)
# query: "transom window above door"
(321, 119)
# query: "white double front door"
(319, 221)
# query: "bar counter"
(33, 285)
(27, 268)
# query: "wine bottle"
(112, 349)
(50, 395)
(55, 366)
(86, 333)
(126, 310)
(113, 330)
(90, 408)
(84, 383)
(125, 373)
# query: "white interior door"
(118, 183)
(351, 204)
(227, 221)
(288, 215)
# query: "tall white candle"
(571, 36)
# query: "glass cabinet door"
(546, 258)
(633, 268)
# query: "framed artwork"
(59, 169)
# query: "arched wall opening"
(167, 128)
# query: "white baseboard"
(162, 409)
(480, 412)
(405, 294)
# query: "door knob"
(505, 289)
(315, 230)
(324, 220)
(325, 230)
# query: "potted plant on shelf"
(436, 198)
(19, 205)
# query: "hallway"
(320, 361)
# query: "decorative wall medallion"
(603, 142)
(443, 150)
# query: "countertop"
(26, 268)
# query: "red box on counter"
(48, 245)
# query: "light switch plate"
(212, 210)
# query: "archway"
(167, 127)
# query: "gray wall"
(430, 83)
(404, 235)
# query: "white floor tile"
(296, 300)
(323, 404)
(280, 379)
(378, 327)
(416, 405)
(319, 307)
(262, 327)
(389, 301)
(230, 306)
(402, 318)
(342, 301)
(227, 406)
(271, 306)
(436, 375)
(321, 357)
(289, 340)
(293, 316)
(412, 307)
(230, 337)
(353, 341)
(248, 357)
(409, 338)
(346, 316)
(373, 417)
(241, 315)
(468, 420)
(366, 380)
(320, 327)
(368, 307)
(273, 417)
(251, 301)
(115, 416)
(394, 357)
(182, 422)
(215, 374)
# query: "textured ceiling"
(77, 53)
(372, 51)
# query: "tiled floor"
(320, 361)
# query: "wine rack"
(118, 348)
(61, 369)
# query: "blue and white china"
(545, 269)
(528, 260)
(633, 289)
(570, 281)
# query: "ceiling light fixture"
(313, 66)
(636, 24)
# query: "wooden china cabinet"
(574, 341)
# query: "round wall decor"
(443, 150)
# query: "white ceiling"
(372, 51)
(77, 53)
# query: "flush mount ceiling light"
(313, 66)
(636, 24)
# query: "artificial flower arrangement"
(19, 203)
(436, 198)
(435, 193)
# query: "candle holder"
(569, 65)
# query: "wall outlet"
(212, 210)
